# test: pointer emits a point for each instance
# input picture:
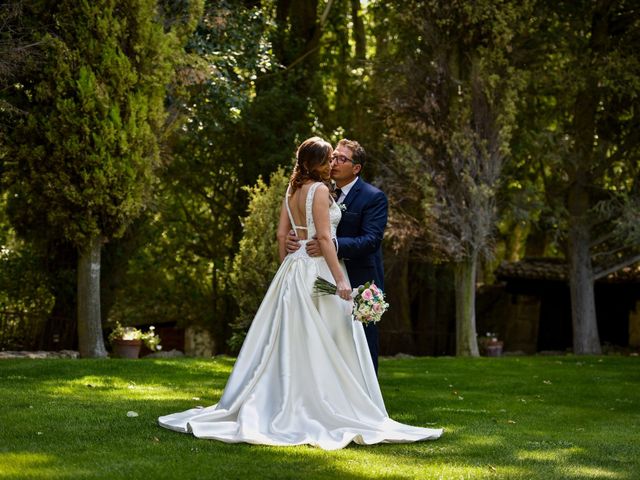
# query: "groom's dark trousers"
(360, 243)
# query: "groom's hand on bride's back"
(293, 242)
(313, 248)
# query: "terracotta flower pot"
(126, 348)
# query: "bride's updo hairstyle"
(312, 154)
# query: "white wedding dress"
(304, 374)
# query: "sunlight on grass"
(546, 455)
(579, 471)
(109, 386)
(219, 363)
(395, 375)
(566, 456)
(28, 465)
(479, 441)
(102, 385)
(389, 460)
(461, 410)
(409, 418)
(63, 419)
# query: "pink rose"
(377, 308)
(374, 288)
(367, 295)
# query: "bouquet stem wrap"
(368, 300)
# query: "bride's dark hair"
(311, 154)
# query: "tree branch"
(625, 263)
(325, 14)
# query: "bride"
(304, 374)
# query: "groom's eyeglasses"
(340, 159)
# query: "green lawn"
(514, 418)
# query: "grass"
(512, 418)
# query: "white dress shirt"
(345, 190)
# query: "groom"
(360, 231)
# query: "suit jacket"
(360, 233)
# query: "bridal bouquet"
(368, 300)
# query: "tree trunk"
(297, 32)
(90, 339)
(435, 297)
(396, 332)
(381, 36)
(114, 262)
(220, 311)
(343, 112)
(583, 161)
(583, 305)
(465, 283)
(61, 329)
(359, 34)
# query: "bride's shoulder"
(321, 195)
(320, 190)
(321, 187)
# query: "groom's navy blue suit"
(360, 243)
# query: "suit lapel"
(353, 193)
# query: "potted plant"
(127, 341)
(489, 345)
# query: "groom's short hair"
(359, 155)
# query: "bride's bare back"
(297, 203)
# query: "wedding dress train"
(304, 374)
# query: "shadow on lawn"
(186, 457)
(81, 408)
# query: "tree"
(450, 91)
(256, 90)
(344, 69)
(288, 89)
(18, 55)
(196, 226)
(16, 50)
(243, 115)
(582, 132)
(85, 155)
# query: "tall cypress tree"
(84, 157)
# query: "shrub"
(257, 259)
